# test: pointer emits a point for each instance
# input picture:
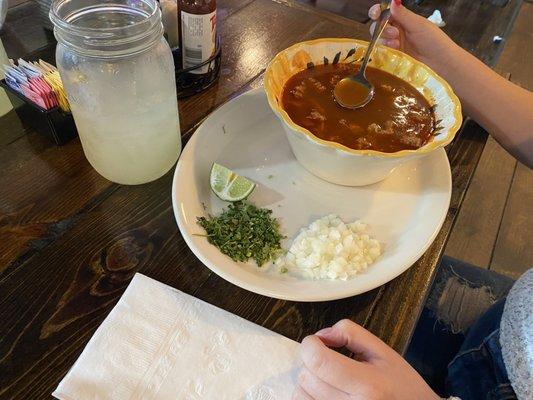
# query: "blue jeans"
(456, 346)
(478, 371)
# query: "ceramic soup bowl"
(332, 161)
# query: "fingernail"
(398, 2)
(323, 332)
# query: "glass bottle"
(118, 73)
(198, 21)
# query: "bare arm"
(504, 109)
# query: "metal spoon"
(356, 91)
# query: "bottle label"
(198, 33)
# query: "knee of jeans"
(457, 302)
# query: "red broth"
(397, 118)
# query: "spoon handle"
(380, 25)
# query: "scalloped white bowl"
(332, 161)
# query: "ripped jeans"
(456, 346)
(478, 371)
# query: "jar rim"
(138, 34)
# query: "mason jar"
(118, 73)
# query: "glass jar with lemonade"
(118, 72)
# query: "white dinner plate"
(405, 212)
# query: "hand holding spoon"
(356, 91)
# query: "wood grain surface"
(493, 227)
(478, 223)
(473, 24)
(513, 253)
(356, 10)
(71, 241)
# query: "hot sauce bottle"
(198, 22)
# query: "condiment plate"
(405, 212)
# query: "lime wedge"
(229, 186)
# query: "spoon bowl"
(355, 91)
(351, 92)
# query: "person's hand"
(415, 35)
(379, 373)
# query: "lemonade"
(120, 84)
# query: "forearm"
(505, 110)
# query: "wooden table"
(70, 241)
(471, 23)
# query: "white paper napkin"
(160, 343)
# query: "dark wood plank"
(397, 310)
(513, 254)
(51, 304)
(473, 24)
(338, 8)
(349, 30)
(291, 319)
(517, 56)
(356, 10)
(228, 7)
(42, 187)
(474, 234)
(11, 128)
